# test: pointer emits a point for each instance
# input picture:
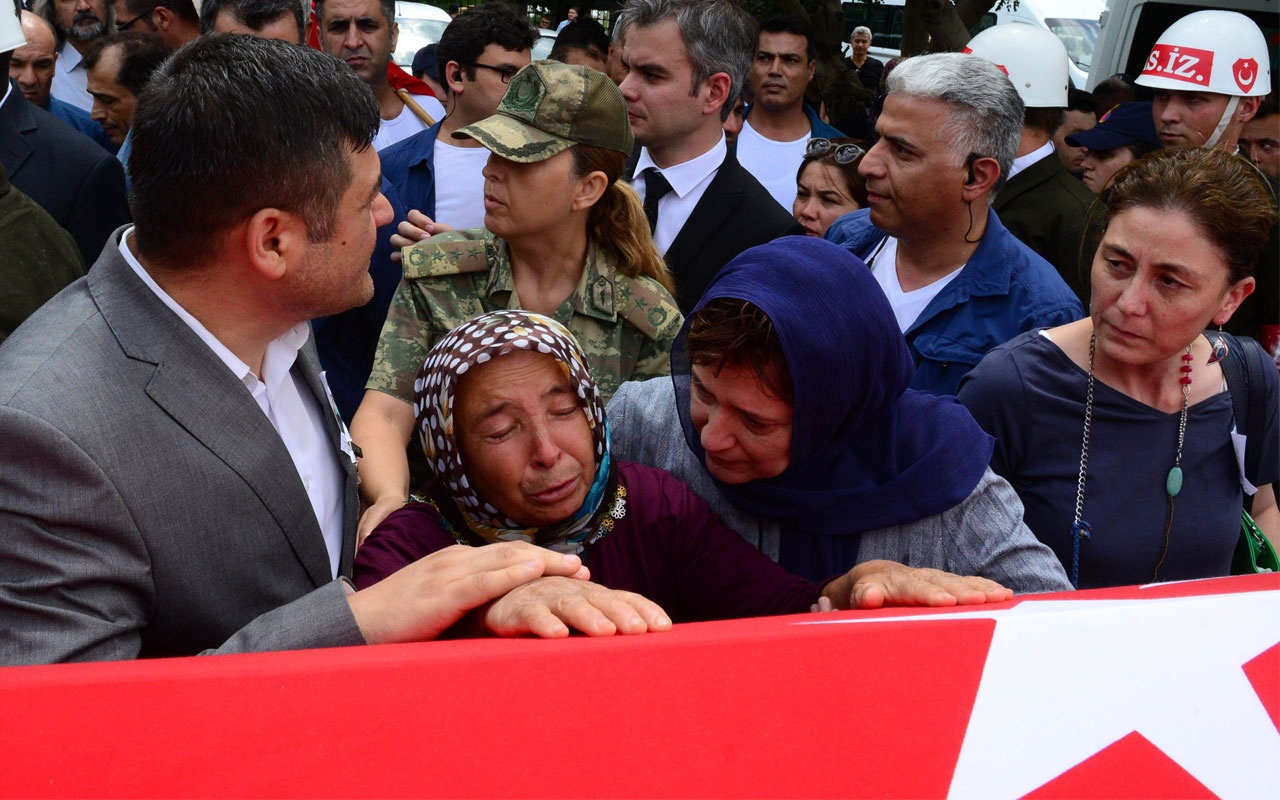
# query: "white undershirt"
(459, 184)
(1022, 162)
(290, 406)
(689, 181)
(406, 122)
(906, 305)
(774, 164)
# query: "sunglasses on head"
(839, 153)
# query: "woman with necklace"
(1117, 430)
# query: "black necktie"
(655, 187)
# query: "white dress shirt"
(689, 181)
(70, 79)
(1022, 162)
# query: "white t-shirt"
(772, 163)
(459, 185)
(906, 305)
(407, 123)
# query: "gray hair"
(986, 112)
(862, 29)
(718, 37)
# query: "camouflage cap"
(548, 108)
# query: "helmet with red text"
(1220, 52)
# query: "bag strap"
(1243, 369)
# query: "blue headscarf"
(866, 451)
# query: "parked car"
(420, 25)
(546, 42)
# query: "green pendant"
(1173, 483)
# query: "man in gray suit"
(174, 479)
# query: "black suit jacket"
(735, 213)
(1047, 209)
(70, 176)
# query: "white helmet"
(1221, 52)
(11, 36)
(1033, 58)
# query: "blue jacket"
(78, 118)
(1003, 290)
(408, 168)
(817, 128)
(347, 342)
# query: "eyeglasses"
(505, 73)
(839, 153)
(121, 27)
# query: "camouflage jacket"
(625, 325)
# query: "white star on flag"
(1065, 679)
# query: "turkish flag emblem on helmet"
(1245, 71)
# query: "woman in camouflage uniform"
(562, 237)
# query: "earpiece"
(969, 163)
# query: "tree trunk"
(938, 26)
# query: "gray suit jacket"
(147, 505)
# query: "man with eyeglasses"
(78, 23)
(432, 173)
(363, 33)
(686, 63)
(174, 21)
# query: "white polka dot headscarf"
(475, 342)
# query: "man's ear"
(162, 17)
(717, 93)
(452, 74)
(980, 174)
(272, 240)
(1247, 109)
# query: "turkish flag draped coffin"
(1170, 690)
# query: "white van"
(1130, 29)
(1075, 22)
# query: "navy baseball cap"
(1124, 124)
(424, 61)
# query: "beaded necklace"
(1080, 529)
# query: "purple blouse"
(669, 547)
